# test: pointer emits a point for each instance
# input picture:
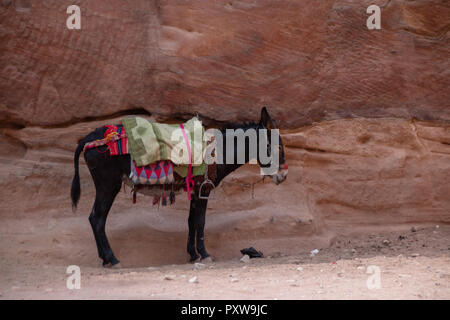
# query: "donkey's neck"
(225, 169)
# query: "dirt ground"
(409, 262)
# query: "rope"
(96, 148)
(249, 184)
(113, 136)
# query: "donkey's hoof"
(110, 265)
(116, 266)
(207, 260)
(194, 258)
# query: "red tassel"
(155, 199)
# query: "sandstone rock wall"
(365, 114)
(308, 60)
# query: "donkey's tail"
(76, 190)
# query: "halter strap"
(189, 177)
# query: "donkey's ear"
(266, 119)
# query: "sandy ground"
(409, 264)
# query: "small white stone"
(207, 260)
(299, 269)
(199, 266)
(169, 277)
(234, 280)
(193, 280)
(290, 280)
(245, 258)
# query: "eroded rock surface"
(365, 114)
(308, 60)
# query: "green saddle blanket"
(149, 142)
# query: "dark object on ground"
(252, 253)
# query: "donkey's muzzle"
(281, 175)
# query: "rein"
(252, 184)
(249, 184)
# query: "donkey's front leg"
(191, 236)
(200, 211)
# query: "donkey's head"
(277, 168)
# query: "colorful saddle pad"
(119, 144)
(160, 172)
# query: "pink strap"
(189, 177)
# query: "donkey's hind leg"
(97, 241)
(103, 202)
(107, 176)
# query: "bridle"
(208, 181)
